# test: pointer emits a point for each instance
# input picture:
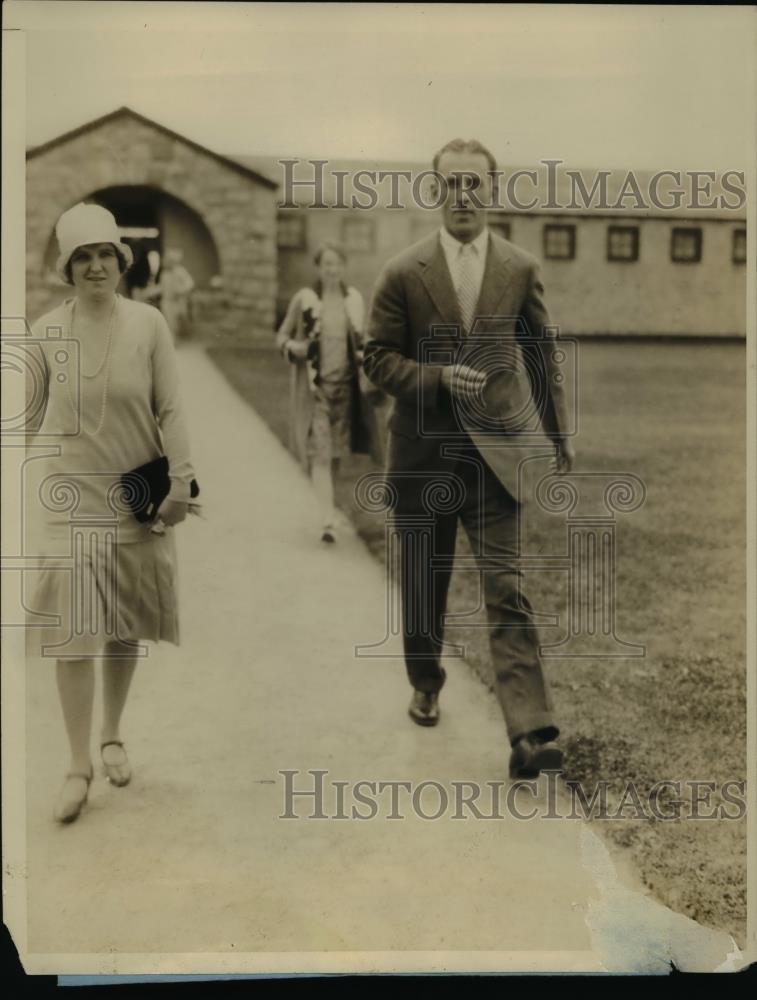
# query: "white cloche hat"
(84, 224)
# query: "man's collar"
(451, 244)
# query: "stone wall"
(239, 211)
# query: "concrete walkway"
(192, 857)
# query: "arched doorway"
(152, 220)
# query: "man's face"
(465, 172)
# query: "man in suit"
(459, 335)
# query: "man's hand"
(564, 456)
(462, 381)
(172, 511)
(297, 349)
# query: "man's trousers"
(489, 515)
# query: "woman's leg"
(76, 687)
(324, 489)
(119, 662)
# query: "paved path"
(192, 857)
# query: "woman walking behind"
(322, 336)
(126, 413)
(175, 285)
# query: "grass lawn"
(673, 415)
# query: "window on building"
(686, 246)
(358, 235)
(623, 243)
(738, 255)
(291, 233)
(499, 226)
(559, 242)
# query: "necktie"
(466, 288)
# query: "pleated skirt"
(105, 591)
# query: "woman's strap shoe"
(115, 764)
(72, 796)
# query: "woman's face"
(95, 271)
(331, 267)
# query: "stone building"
(164, 190)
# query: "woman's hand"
(172, 512)
(297, 349)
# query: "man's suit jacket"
(415, 328)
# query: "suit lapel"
(496, 279)
(436, 278)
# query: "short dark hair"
(466, 146)
(329, 245)
(123, 266)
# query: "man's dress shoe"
(530, 755)
(424, 708)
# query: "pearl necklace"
(111, 324)
(106, 357)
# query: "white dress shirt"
(452, 249)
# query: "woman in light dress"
(330, 415)
(109, 411)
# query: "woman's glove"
(172, 512)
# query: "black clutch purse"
(146, 487)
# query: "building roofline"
(126, 112)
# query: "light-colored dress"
(103, 575)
